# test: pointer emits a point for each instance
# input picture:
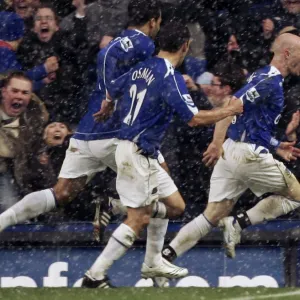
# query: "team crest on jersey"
(252, 94)
(126, 44)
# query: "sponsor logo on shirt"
(252, 94)
(126, 44)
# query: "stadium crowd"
(56, 44)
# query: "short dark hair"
(16, 74)
(172, 36)
(49, 6)
(230, 74)
(142, 11)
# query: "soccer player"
(154, 91)
(246, 161)
(93, 146)
(267, 209)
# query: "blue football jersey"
(115, 60)
(153, 93)
(263, 104)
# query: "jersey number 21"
(136, 104)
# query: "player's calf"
(66, 189)
(216, 211)
(138, 218)
(268, 208)
(175, 205)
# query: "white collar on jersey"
(273, 71)
(140, 32)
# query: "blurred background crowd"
(56, 44)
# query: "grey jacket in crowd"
(103, 17)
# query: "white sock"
(159, 210)
(120, 241)
(270, 208)
(190, 234)
(156, 232)
(32, 205)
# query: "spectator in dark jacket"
(63, 96)
(11, 34)
(284, 13)
(42, 158)
(40, 163)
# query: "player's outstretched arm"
(207, 117)
(215, 149)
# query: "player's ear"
(185, 47)
(152, 23)
(286, 53)
(3, 91)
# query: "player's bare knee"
(212, 217)
(179, 210)
(145, 220)
(181, 207)
(139, 216)
(215, 211)
(175, 205)
(62, 196)
(137, 221)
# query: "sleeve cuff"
(160, 158)
(37, 73)
(274, 144)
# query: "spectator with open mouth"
(64, 95)
(11, 35)
(20, 120)
(23, 8)
(55, 133)
(38, 167)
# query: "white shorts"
(166, 185)
(244, 166)
(86, 158)
(140, 180)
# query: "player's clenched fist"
(236, 105)
(51, 64)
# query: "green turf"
(148, 293)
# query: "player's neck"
(143, 29)
(173, 58)
(280, 66)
